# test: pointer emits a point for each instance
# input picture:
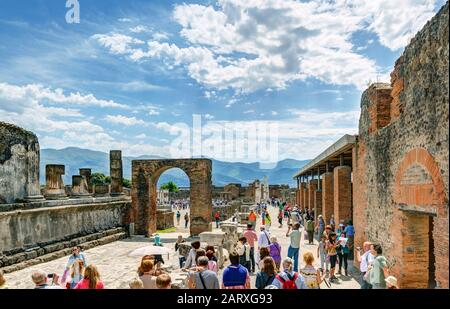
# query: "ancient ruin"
(145, 175)
(392, 178)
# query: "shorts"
(333, 260)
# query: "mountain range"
(222, 172)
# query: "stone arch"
(420, 217)
(145, 175)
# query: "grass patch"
(169, 230)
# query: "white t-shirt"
(366, 259)
(263, 240)
(295, 237)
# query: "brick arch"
(145, 175)
(419, 189)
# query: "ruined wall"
(401, 160)
(19, 164)
(29, 225)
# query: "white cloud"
(153, 112)
(274, 113)
(117, 43)
(139, 29)
(141, 136)
(125, 20)
(267, 44)
(160, 36)
(208, 117)
(124, 120)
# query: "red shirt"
(84, 285)
(251, 237)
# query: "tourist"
(275, 251)
(263, 252)
(190, 261)
(295, 216)
(289, 279)
(332, 223)
(243, 249)
(251, 237)
(252, 218)
(364, 261)
(263, 217)
(3, 285)
(235, 276)
(136, 284)
(310, 229)
(186, 220)
(91, 280)
(268, 221)
(76, 273)
(178, 217)
(350, 232)
(211, 248)
(158, 260)
(322, 254)
(267, 274)
(280, 218)
(203, 278)
(320, 226)
(181, 258)
(342, 250)
(217, 219)
(264, 237)
(76, 255)
(294, 247)
(148, 277)
(332, 254)
(340, 228)
(163, 282)
(391, 283)
(312, 276)
(212, 264)
(378, 271)
(327, 231)
(140, 271)
(40, 280)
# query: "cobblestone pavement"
(117, 268)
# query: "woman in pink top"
(212, 265)
(91, 279)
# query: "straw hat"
(392, 281)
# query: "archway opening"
(173, 195)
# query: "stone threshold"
(55, 251)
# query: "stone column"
(79, 186)
(201, 198)
(54, 187)
(327, 196)
(87, 173)
(116, 172)
(342, 193)
(317, 204)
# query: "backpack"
(288, 284)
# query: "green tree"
(126, 183)
(100, 179)
(171, 186)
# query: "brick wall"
(401, 169)
(342, 193)
(327, 196)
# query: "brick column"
(317, 204)
(327, 196)
(302, 195)
(312, 188)
(342, 193)
(305, 197)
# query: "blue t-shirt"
(234, 275)
(349, 230)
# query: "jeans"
(182, 259)
(343, 258)
(324, 262)
(293, 254)
(252, 259)
(364, 284)
(217, 223)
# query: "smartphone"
(50, 276)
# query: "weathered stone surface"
(101, 190)
(401, 168)
(145, 175)
(164, 219)
(327, 196)
(54, 185)
(80, 186)
(342, 193)
(19, 164)
(87, 173)
(116, 172)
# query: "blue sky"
(131, 70)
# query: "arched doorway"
(422, 217)
(145, 176)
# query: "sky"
(131, 74)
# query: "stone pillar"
(317, 204)
(33, 187)
(342, 193)
(54, 186)
(312, 188)
(327, 196)
(87, 173)
(302, 195)
(201, 198)
(305, 197)
(116, 172)
(79, 186)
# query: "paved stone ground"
(117, 268)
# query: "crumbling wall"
(19, 164)
(402, 157)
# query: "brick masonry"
(401, 167)
(145, 175)
(342, 193)
(312, 187)
(327, 196)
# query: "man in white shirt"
(364, 261)
(264, 237)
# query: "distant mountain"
(222, 172)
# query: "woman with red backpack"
(289, 279)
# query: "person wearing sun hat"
(391, 283)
